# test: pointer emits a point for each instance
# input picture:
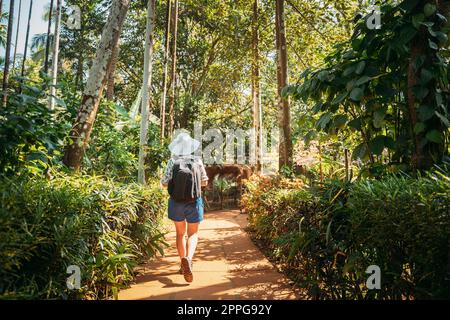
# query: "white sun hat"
(183, 145)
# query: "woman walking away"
(184, 176)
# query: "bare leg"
(180, 228)
(192, 231)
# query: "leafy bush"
(31, 135)
(326, 237)
(364, 92)
(103, 227)
(114, 146)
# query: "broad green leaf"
(121, 110)
(378, 117)
(362, 80)
(426, 76)
(389, 143)
(420, 92)
(441, 17)
(323, 75)
(360, 67)
(420, 60)
(339, 98)
(317, 107)
(427, 23)
(429, 9)
(357, 94)
(444, 119)
(442, 38)
(433, 45)
(409, 5)
(377, 145)
(419, 127)
(360, 152)
(287, 90)
(350, 85)
(339, 121)
(324, 120)
(406, 34)
(356, 43)
(349, 70)
(355, 124)
(417, 19)
(425, 112)
(434, 136)
(311, 135)
(38, 155)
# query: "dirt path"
(227, 265)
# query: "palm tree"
(3, 25)
(38, 46)
(174, 69)
(8, 52)
(166, 64)
(17, 33)
(55, 55)
(26, 39)
(2, 34)
(49, 30)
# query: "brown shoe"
(187, 271)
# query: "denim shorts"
(191, 212)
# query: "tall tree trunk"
(256, 96)
(47, 44)
(423, 153)
(17, 33)
(285, 147)
(79, 76)
(112, 73)
(417, 49)
(146, 85)
(55, 59)
(27, 37)
(162, 111)
(92, 94)
(174, 69)
(8, 52)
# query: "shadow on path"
(227, 265)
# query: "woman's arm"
(204, 178)
(167, 174)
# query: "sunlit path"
(227, 265)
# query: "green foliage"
(31, 135)
(104, 227)
(327, 236)
(362, 92)
(114, 147)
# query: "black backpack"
(185, 185)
